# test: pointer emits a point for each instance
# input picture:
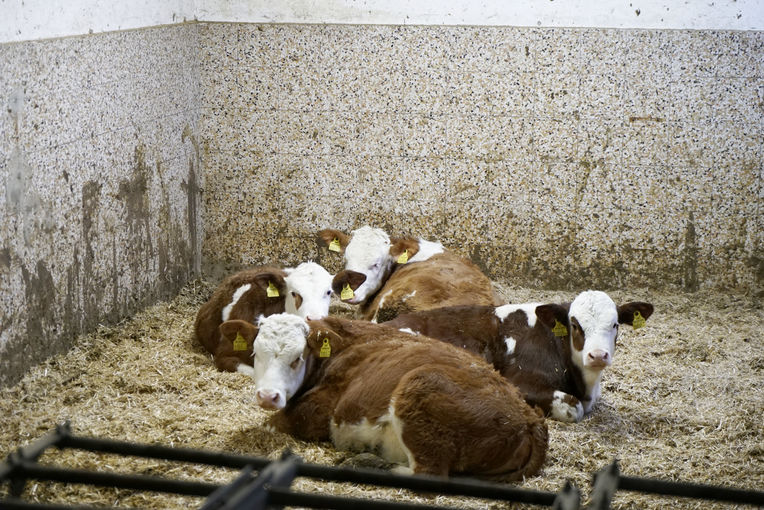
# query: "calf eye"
(328, 292)
(294, 294)
(295, 363)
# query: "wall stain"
(92, 290)
(690, 263)
(40, 294)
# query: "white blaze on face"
(368, 252)
(279, 350)
(597, 316)
(309, 291)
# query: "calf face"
(279, 359)
(370, 257)
(308, 291)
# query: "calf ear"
(272, 283)
(323, 342)
(626, 312)
(552, 313)
(229, 330)
(403, 249)
(334, 240)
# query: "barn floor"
(684, 401)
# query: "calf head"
(308, 291)
(280, 352)
(591, 323)
(370, 256)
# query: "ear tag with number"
(239, 344)
(638, 321)
(335, 245)
(559, 329)
(347, 292)
(272, 291)
(326, 349)
(403, 257)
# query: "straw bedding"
(684, 400)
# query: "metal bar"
(278, 474)
(569, 498)
(691, 490)
(163, 452)
(121, 481)
(17, 504)
(450, 486)
(218, 498)
(605, 485)
(446, 486)
(279, 496)
(9, 470)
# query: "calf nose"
(598, 358)
(268, 399)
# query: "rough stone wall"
(561, 158)
(100, 210)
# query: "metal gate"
(266, 484)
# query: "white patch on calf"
(245, 369)
(235, 299)
(408, 330)
(426, 250)
(408, 296)
(314, 284)
(562, 411)
(511, 344)
(504, 311)
(279, 351)
(377, 437)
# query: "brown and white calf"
(555, 353)
(387, 276)
(304, 291)
(427, 406)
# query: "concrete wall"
(557, 157)
(553, 157)
(100, 212)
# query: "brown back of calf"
(442, 280)
(458, 414)
(251, 305)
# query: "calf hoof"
(366, 461)
(566, 408)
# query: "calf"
(430, 407)
(554, 353)
(305, 291)
(392, 276)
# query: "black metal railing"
(263, 484)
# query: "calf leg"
(556, 404)
(306, 417)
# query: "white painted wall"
(22, 20)
(682, 14)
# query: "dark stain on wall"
(92, 291)
(40, 294)
(690, 264)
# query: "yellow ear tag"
(559, 329)
(335, 245)
(326, 349)
(347, 292)
(272, 291)
(239, 344)
(404, 257)
(639, 321)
